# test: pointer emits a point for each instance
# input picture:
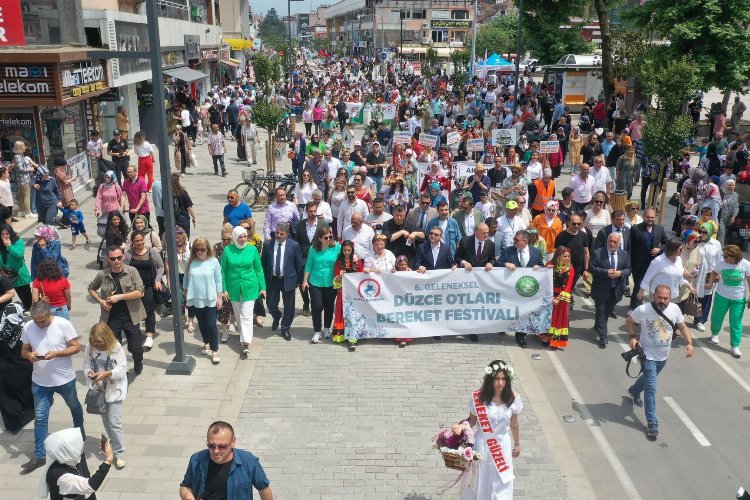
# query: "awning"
(234, 63)
(238, 43)
(185, 74)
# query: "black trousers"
(276, 293)
(123, 324)
(148, 304)
(603, 308)
(638, 275)
(120, 167)
(24, 294)
(645, 181)
(322, 300)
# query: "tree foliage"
(460, 59)
(268, 115)
(543, 35)
(263, 66)
(499, 35)
(272, 30)
(712, 33)
(428, 68)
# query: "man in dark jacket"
(283, 267)
(610, 269)
(646, 240)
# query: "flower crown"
(492, 370)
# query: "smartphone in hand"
(103, 442)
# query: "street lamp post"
(518, 46)
(474, 42)
(401, 37)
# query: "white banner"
(388, 110)
(401, 137)
(428, 140)
(353, 108)
(475, 145)
(549, 146)
(453, 138)
(79, 170)
(504, 137)
(409, 305)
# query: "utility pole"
(474, 43)
(518, 46)
(401, 36)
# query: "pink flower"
(468, 453)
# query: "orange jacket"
(543, 194)
(548, 233)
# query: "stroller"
(101, 231)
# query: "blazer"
(301, 235)
(293, 263)
(599, 266)
(460, 217)
(601, 237)
(299, 153)
(640, 253)
(510, 254)
(467, 252)
(424, 257)
(412, 219)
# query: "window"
(440, 36)
(458, 36)
(460, 14)
(419, 14)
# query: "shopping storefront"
(48, 101)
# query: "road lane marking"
(697, 434)
(725, 367)
(596, 431)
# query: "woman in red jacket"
(556, 159)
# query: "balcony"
(194, 11)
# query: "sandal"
(206, 350)
(72, 247)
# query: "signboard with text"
(475, 145)
(549, 146)
(11, 24)
(79, 170)
(83, 77)
(504, 137)
(450, 23)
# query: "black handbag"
(163, 296)
(95, 401)
(675, 200)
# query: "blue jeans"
(378, 184)
(206, 317)
(60, 312)
(647, 382)
(43, 398)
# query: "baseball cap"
(357, 144)
(116, 132)
(375, 143)
(409, 152)
(511, 205)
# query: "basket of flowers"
(456, 445)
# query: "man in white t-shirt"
(655, 339)
(602, 177)
(49, 342)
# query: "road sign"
(383, 56)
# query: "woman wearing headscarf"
(48, 198)
(47, 246)
(150, 238)
(729, 209)
(435, 195)
(16, 400)
(12, 264)
(106, 368)
(709, 250)
(224, 313)
(67, 474)
(243, 282)
(108, 196)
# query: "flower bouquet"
(456, 444)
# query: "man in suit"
(421, 214)
(520, 255)
(467, 216)
(451, 233)
(305, 233)
(434, 254)
(476, 251)
(298, 147)
(617, 226)
(646, 240)
(610, 268)
(283, 267)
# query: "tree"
(542, 32)
(602, 8)
(267, 114)
(460, 59)
(428, 68)
(263, 66)
(499, 35)
(272, 30)
(713, 34)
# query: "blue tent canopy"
(493, 62)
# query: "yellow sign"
(239, 43)
(85, 89)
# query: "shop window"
(440, 36)
(64, 130)
(460, 14)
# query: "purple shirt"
(280, 213)
(133, 191)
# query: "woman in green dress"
(242, 277)
(13, 265)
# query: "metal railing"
(173, 10)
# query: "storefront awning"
(234, 63)
(185, 74)
(238, 43)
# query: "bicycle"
(257, 188)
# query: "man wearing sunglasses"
(223, 471)
(119, 290)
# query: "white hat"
(409, 152)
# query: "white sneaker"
(31, 216)
(736, 352)
(700, 327)
(232, 327)
(246, 349)
(714, 339)
(206, 351)
(224, 335)
(120, 463)
(149, 343)
(316, 338)
(326, 333)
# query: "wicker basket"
(453, 460)
(248, 175)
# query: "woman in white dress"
(493, 411)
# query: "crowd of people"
(365, 204)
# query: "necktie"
(521, 259)
(277, 264)
(612, 265)
(422, 216)
(479, 252)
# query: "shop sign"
(192, 47)
(173, 58)
(112, 95)
(11, 24)
(132, 37)
(441, 14)
(79, 169)
(210, 55)
(239, 43)
(24, 81)
(83, 77)
(18, 126)
(303, 24)
(451, 23)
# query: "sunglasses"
(598, 201)
(115, 259)
(575, 223)
(201, 249)
(226, 239)
(217, 446)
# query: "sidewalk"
(324, 422)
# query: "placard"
(475, 145)
(429, 140)
(549, 146)
(502, 137)
(79, 170)
(401, 137)
(454, 138)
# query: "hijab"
(45, 232)
(236, 233)
(64, 447)
(111, 176)
(146, 230)
(709, 229)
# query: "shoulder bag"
(95, 401)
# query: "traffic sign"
(383, 56)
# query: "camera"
(638, 351)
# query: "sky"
(262, 6)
